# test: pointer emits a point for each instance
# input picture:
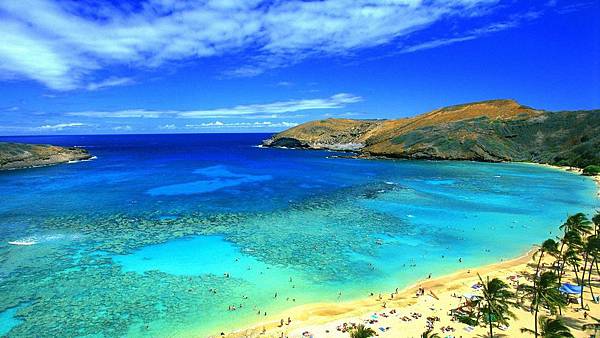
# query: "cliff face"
(20, 155)
(497, 130)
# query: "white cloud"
(272, 110)
(60, 126)
(123, 128)
(472, 34)
(167, 127)
(63, 44)
(335, 101)
(263, 124)
(110, 82)
(126, 113)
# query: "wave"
(24, 241)
(84, 160)
(37, 239)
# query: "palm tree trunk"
(535, 328)
(583, 278)
(537, 269)
(575, 269)
(490, 320)
(562, 265)
(561, 270)
(590, 278)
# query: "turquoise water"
(161, 234)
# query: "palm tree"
(549, 246)
(429, 334)
(544, 292)
(362, 331)
(571, 256)
(596, 221)
(497, 299)
(590, 249)
(573, 241)
(551, 328)
(578, 222)
(575, 224)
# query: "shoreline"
(315, 315)
(572, 170)
(357, 155)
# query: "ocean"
(166, 234)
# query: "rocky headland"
(21, 155)
(492, 131)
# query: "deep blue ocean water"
(162, 233)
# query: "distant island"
(21, 155)
(491, 131)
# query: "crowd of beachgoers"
(553, 287)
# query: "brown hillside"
(492, 109)
(376, 134)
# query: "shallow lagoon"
(138, 241)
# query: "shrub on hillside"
(591, 170)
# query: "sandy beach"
(403, 313)
(406, 314)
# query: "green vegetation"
(591, 170)
(562, 138)
(578, 247)
(20, 155)
(429, 334)
(497, 302)
(494, 130)
(544, 293)
(551, 328)
(362, 331)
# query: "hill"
(495, 130)
(21, 155)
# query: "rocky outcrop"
(333, 134)
(495, 130)
(20, 155)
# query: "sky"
(183, 66)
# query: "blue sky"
(166, 66)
